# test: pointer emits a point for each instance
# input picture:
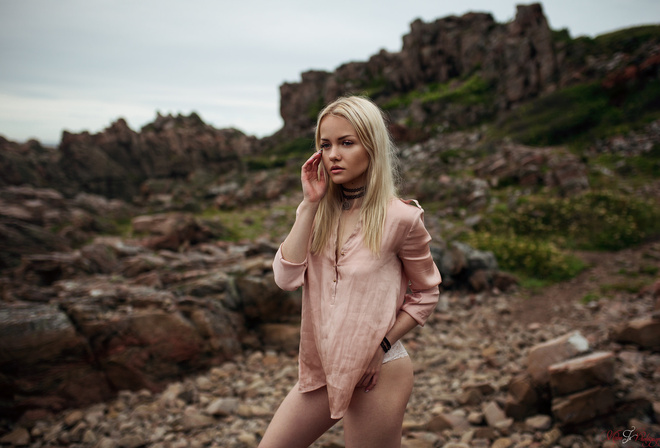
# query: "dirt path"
(609, 274)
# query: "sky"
(79, 65)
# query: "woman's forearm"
(403, 324)
(296, 244)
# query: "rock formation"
(116, 162)
(519, 59)
(77, 327)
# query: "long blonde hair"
(369, 124)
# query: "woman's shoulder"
(404, 209)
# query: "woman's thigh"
(300, 420)
(374, 418)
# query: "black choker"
(347, 198)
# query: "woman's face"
(344, 157)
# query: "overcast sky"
(80, 64)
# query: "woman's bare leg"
(374, 418)
(300, 420)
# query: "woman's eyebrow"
(338, 138)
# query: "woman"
(362, 257)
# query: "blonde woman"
(362, 257)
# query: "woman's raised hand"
(313, 184)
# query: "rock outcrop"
(492, 67)
(519, 60)
(77, 327)
(115, 163)
(42, 220)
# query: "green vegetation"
(374, 87)
(625, 41)
(253, 223)
(536, 237)
(473, 90)
(625, 286)
(528, 257)
(639, 168)
(582, 113)
(593, 220)
(279, 155)
(315, 108)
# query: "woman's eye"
(347, 143)
(324, 146)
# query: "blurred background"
(150, 161)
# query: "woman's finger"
(372, 383)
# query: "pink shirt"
(350, 302)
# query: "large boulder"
(170, 230)
(116, 162)
(45, 362)
(463, 267)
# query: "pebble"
(456, 402)
(18, 437)
(539, 422)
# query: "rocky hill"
(130, 261)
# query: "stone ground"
(464, 359)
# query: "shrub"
(594, 220)
(581, 113)
(530, 257)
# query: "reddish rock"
(282, 337)
(44, 361)
(493, 414)
(437, 52)
(503, 280)
(583, 406)
(523, 165)
(539, 422)
(480, 280)
(544, 355)
(596, 369)
(46, 269)
(261, 300)
(522, 399)
(170, 230)
(644, 332)
(446, 421)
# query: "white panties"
(397, 351)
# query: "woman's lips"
(336, 169)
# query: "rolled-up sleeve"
(288, 276)
(421, 271)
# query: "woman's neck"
(351, 197)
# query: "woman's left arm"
(421, 271)
(424, 278)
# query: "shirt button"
(342, 252)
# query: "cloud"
(80, 64)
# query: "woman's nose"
(333, 153)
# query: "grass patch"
(625, 41)
(279, 155)
(610, 290)
(579, 114)
(254, 223)
(471, 91)
(539, 262)
(593, 220)
(535, 237)
(590, 297)
(637, 167)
